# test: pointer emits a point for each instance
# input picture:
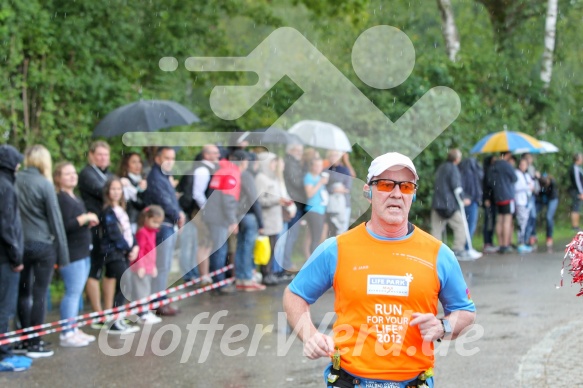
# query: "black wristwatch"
(446, 329)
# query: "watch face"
(446, 326)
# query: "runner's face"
(392, 208)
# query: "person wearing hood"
(11, 251)
(45, 242)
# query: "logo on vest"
(388, 285)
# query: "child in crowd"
(143, 268)
(117, 246)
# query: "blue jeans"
(291, 238)
(165, 242)
(489, 224)
(218, 259)
(550, 214)
(8, 295)
(531, 225)
(188, 249)
(472, 218)
(248, 230)
(74, 276)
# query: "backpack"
(185, 186)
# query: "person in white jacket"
(523, 187)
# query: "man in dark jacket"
(445, 209)
(501, 179)
(11, 250)
(472, 176)
(161, 192)
(92, 179)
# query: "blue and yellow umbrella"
(507, 141)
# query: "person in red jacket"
(143, 268)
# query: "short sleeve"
(454, 293)
(317, 275)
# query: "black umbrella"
(144, 116)
(270, 136)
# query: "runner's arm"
(316, 344)
(458, 320)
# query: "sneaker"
(70, 340)
(270, 280)
(257, 277)
(491, 249)
(532, 241)
(225, 290)
(20, 348)
(285, 276)
(119, 327)
(469, 255)
(250, 286)
(98, 325)
(38, 351)
(524, 249)
(87, 337)
(205, 281)
(149, 319)
(15, 364)
(167, 311)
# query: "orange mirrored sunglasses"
(388, 185)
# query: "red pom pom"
(574, 252)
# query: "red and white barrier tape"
(115, 313)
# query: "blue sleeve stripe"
(453, 294)
(317, 275)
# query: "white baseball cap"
(388, 160)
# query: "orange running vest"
(378, 285)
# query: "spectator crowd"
(93, 225)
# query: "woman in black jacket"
(45, 242)
(77, 221)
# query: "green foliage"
(67, 64)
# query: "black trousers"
(39, 262)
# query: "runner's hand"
(319, 345)
(430, 327)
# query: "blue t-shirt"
(316, 201)
(317, 275)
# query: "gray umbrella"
(270, 136)
(144, 116)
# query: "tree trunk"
(550, 33)
(25, 111)
(449, 29)
(546, 71)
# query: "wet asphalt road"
(532, 337)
